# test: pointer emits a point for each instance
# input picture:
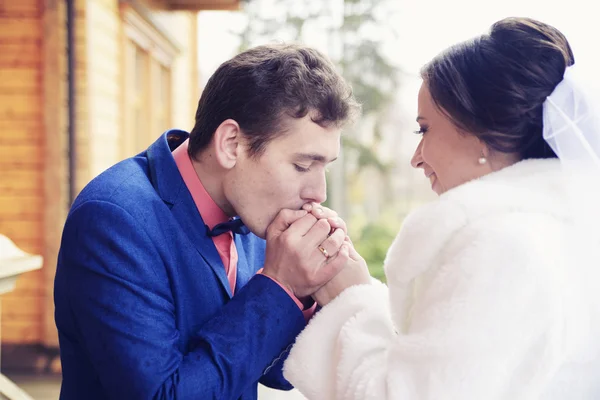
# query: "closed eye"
(301, 169)
(421, 131)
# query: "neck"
(500, 160)
(211, 175)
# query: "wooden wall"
(33, 131)
(21, 158)
(104, 79)
(33, 152)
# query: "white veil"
(572, 121)
(571, 118)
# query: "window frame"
(141, 32)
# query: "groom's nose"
(316, 190)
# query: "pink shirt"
(212, 215)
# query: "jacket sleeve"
(481, 306)
(273, 376)
(119, 297)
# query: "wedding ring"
(322, 250)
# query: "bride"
(494, 289)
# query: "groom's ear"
(228, 143)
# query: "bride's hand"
(355, 272)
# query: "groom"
(158, 289)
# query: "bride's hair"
(494, 86)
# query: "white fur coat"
(494, 293)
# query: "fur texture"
(494, 293)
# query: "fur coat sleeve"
(469, 314)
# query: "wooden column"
(56, 200)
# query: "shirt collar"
(210, 212)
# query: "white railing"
(14, 262)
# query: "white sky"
(425, 27)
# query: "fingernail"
(319, 211)
(307, 207)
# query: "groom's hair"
(264, 86)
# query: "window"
(149, 54)
(138, 82)
(162, 98)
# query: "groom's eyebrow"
(314, 157)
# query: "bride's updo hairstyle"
(494, 85)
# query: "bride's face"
(448, 156)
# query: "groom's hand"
(322, 212)
(293, 258)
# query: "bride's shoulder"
(425, 231)
(440, 217)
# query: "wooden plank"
(30, 153)
(19, 156)
(103, 18)
(55, 170)
(194, 87)
(23, 189)
(15, 132)
(10, 316)
(105, 88)
(21, 204)
(105, 72)
(8, 165)
(24, 163)
(201, 5)
(20, 78)
(19, 178)
(27, 225)
(17, 55)
(20, 107)
(23, 8)
(13, 91)
(11, 27)
(105, 68)
(24, 305)
(12, 218)
(21, 332)
(109, 5)
(21, 41)
(31, 230)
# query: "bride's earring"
(482, 160)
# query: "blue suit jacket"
(143, 305)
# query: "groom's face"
(289, 173)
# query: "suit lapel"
(187, 215)
(170, 187)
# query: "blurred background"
(86, 83)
